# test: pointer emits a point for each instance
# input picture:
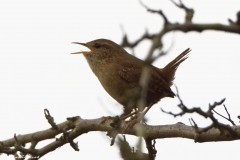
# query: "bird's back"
(160, 79)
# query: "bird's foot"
(132, 122)
(104, 119)
(116, 121)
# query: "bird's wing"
(132, 73)
(129, 72)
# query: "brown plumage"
(119, 73)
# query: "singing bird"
(119, 73)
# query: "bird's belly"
(127, 92)
(119, 89)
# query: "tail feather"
(169, 70)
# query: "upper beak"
(81, 52)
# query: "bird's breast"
(109, 75)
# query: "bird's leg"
(139, 119)
(104, 119)
(129, 115)
(145, 112)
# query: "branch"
(223, 128)
(229, 116)
(189, 11)
(126, 43)
(76, 126)
(188, 26)
(151, 148)
(70, 124)
(82, 126)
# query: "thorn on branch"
(74, 145)
(50, 119)
(73, 118)
(237, 23)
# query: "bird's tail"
(169, 70)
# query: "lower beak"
(81, 52)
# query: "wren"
(119, 73)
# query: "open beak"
(82, 52)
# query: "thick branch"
(150, 132)
(185, 27)
(201, 27)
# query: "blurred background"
(37, 70)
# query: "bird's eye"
(97, 45)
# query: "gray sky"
(38, 72)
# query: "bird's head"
(102, 54)
(101, 48)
